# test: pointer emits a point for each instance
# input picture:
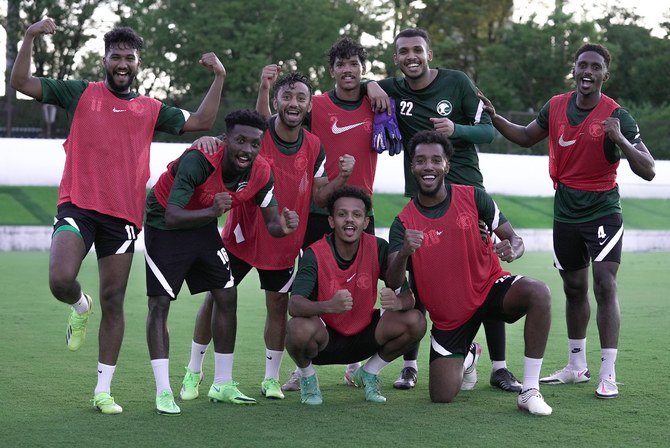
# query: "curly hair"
(344, 48)
(245, 117)
(428, 137)
(348, 192)
(289, 80)
(124, 36)
(597, 48)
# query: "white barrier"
(40, 162)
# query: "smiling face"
(590, 72)
(348, 219)
(412, 56)
(347, 72)
(293, 102)
(429, 166)
(242, 146)
(121, 65)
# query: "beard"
(120, 88)
(431, 192)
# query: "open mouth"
(586, 82)
(349, 230)
(243, 160)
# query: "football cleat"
(293, 382)
(228, 393)
(505, 380)
(75, 333)
(165, 404)
(309, 390)
(407, 379)
(567, 376)
(190, 385)
(607, 389)
(104, 403)
(371, 383)
(470, 374)
(532, 401)
(270, 388)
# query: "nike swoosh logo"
(565, 143)
(99, 371)
(216, 389)
(118, 110)
(603, 241)
(202, 353)
(269, 357)
(349, 279)
(338, 130)
(439, 232)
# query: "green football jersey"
(452, 95)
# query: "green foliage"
(246, 35)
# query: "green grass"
(46, 390)
(37, 206)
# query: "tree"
(246, 35)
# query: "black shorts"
(456, 342)
(349, 349)
(194, 255)
(318, 226)
(111, 235)
(280, 280)
(597, 240)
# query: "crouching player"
(334, 320)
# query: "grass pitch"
(46, 390)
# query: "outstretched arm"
(203, 118)
(525, 136)
(22, 79)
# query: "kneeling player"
(458, 275)
(334, 320)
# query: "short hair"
(413, 32)
(344, 48)
(245, 117)
(289, 80)
(597, 48)
(123, 35)
(428, 137)
(348, 192)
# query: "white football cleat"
(567, 376)
(607, 389)
(532, 401)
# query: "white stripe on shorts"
(288, 284)
(607, 249)
(159, 275)
(438, 348)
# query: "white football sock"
(577, 354)
(161, 369)
(105, 374)
(531, 373)
(223, 367)
(272, 363)
(307, 371)
(81, 306)
(197, 356)
(375, 364)
(608, 357)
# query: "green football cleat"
(371, 384)
(228, 393)
(190, 384)
(75, 333)
(105, 404)
(309, 390)
(165, 404)
(270, 388)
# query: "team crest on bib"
(300, 162)
(596, 129)
(363, 281)
(465, 220)
(136, 107)
(444, 108)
